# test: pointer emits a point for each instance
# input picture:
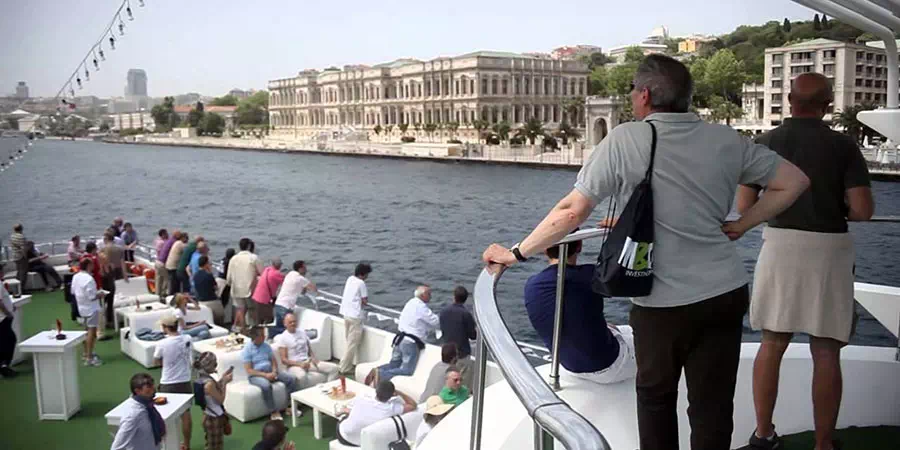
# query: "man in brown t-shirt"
(112, 262)
(804, 274)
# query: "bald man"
(804, 274)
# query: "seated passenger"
(438, 376)
(589, 348)
(262, 369)
(367, 410)
(36, 263)
(435, 411)
(298, 358)
(197, 330)
(454, 392)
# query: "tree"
(388, 129)
(452, 127)
(212, 123)
(531, 130)
(817, 25)
(851, 125)
(598, 81)
(104, 127)
(502, 129)
(417, 126)
(227, 100)
(430, 128)
(479, 126)
(566, 132)
(195, 117)
(403, 127)
(253, 110)
(620, 78)
(377, 129)
(825, 24)
(787, 25)
(571, 106)
(723, 109)
(724, 75)
(164, 115)
(634, 54)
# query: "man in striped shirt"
(17, 245)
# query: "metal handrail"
(552, 416)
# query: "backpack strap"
(649, 175)
(397, 427)
(402, 425)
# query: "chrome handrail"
(552, 416)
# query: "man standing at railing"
(692, 319)
(354, 297)
(416, 322)
(17, 245)
(243, 271)
(162, 275)
(458, 327)
(803, 281)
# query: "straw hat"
(436, 407)
(169, 320)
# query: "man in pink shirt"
(159, 266)
(266, 290)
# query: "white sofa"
(135, 289)
(142, 351)
(414, 384)
(378, 435)
(244, 402)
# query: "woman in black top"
(36, 264)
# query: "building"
(22, 90)
(490, 86)
(137, 83)
(240, 94)
(574, 52)
(227, 113)
(658, 35)
(693, 44)
(858, 74)
(753, 100)
(617, 54)
(190, 98)
(124, 121)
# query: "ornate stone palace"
(490, 86)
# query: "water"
(414, 221)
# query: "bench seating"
(142, 351)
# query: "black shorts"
(177, 388)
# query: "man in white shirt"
(175, 356)
(416, 321)
(141, 427)
(7, 335)
(295, 284)
(355, 296)
(297, 356)
(367, 410)
(84, 289)
(243, 271)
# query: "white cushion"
(309, 319)
(378, 435)
(414, 384)
(142, 351)
(244, 401)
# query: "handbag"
(400, 443)
(625, 264)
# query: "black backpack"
(625, 264)
(199, 393)
(400, 443)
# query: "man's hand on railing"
(497, 258)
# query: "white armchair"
(378, 435)
(414, 384)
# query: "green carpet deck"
(102, 388)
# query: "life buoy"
(150, 275)
(135, 269)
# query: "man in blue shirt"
(262, 369)
(589, 348)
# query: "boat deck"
(104, 387)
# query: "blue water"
(414, 221)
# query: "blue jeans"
(198, 333)
(280, 312)
(403, 361)
(266, 387)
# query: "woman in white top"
(198, 330)
(174, 354)
(215, 421)
(435, 411)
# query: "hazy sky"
(212, 46)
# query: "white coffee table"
(316, 398)
(55, 373)
(225, 356)
(125, 311)
(18, 303)
(171, 414)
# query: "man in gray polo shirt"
(692, 318)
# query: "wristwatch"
(515, 251)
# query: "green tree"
(430, 128)
(451, 128)
(403, 127)
(388, 129)
(787, 25)
(723, 109)
(825, 23)
(253, 110)
(212, 123)
(227, 100)
(566, 132)
(817, 25)
(531, 130)
(850, 124)
(572, 106)
(598, 80)
(620, 78)
(724, 75)
(417, 126)
(502, 129)
(634, 54)
(104, 127)
(195, 117)
(377, 130)
(164, 115)
(479, 126)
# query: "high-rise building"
(137, 83)
(22, 90)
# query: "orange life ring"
(150, 275)
(135, 269)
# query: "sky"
(212, 46)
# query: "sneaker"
(276, 416)
(772, 443)
(7, 372)
(96, 362)
(299, 413)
